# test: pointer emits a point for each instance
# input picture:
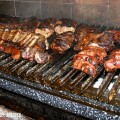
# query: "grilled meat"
(88, 59)
(113, 62)
(95, 51)
(85, 41)
(35, 53)
(104, 40)
(21, 23)
(84, 66)
(91, 59)
(62, 42)
(15, 52)
(116, 35)
(24, 44)
(84, 35)
(65, 25)
(46, 28)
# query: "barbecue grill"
(57, 84)
(61, 91)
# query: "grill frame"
(53, 87)
(40, 93)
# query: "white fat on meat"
(95, 44)
(63, 29)
(45, 32)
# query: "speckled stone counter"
(48, 96)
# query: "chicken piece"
(93, 51)
(62, 42)
(84, 35)
(65, 25)
(91, 59)
(92, 56)
(46, 28)
(85, 66)
(113, 62)
(96, 50)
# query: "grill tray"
(58, 84)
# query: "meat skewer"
(92, 41)
(88, 59)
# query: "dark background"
(104, 12)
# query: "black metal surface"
(33, 109)
(58, 78)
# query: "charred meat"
(62, 42)
(113, 62)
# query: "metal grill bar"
(17, 66)
(105, 84)
(24, 67)
(114, 89)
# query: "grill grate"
(59, 75)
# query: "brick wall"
(105, 12)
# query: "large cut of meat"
(62, 42)
(86, 37)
